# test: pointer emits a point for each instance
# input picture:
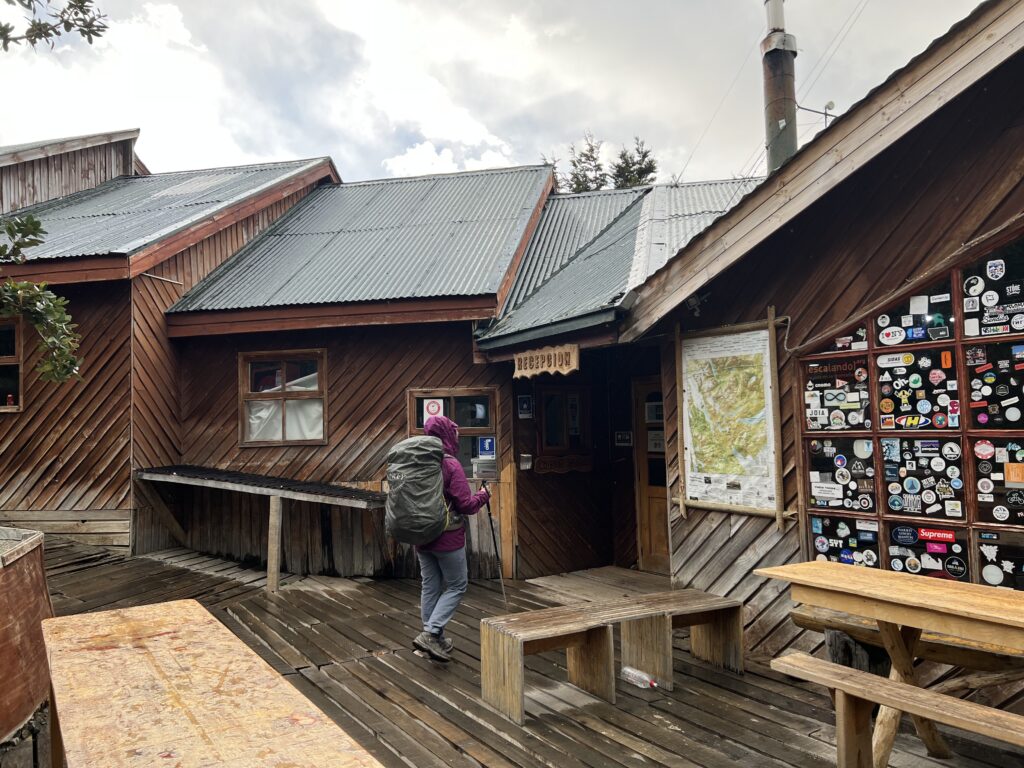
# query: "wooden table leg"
(274, 545)
(56, 740)
(647, 646)
(900, 643)
(592, 663)
(720, 640)
(853, 731)
(501, 672)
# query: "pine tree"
(634, 167)
(586, 172)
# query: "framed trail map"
(729, 434)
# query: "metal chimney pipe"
(778, 61)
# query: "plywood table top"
(971, 611)
(168, 684)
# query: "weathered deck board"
(345, 644)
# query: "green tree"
(42, 308)
(46, 22)
(634, 167)
(586, 172)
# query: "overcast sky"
(397, 87)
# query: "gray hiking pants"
(445, 581)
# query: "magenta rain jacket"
(460, 499)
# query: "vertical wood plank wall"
(47, 178)
(957, 176)
(370, 370)
(65, 465)
(156, 439)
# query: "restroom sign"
(432, 406)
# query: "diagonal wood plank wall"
(957, 176)
(66, 455)
(156, 438)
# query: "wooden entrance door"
(650, 476)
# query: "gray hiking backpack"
(415, 511)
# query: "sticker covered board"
(928, 551)
(845, 540)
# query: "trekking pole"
(497, 553)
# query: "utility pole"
(778, 60)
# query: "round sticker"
(985, 485)
(984, 449)
(1012, 413)
(848, 503)
(913, 565)
(836, 419)
(957, 549)
(895, 503)
(886, 389)
(861, 374)
(821, 544)
(1017, 322)
(870, 558)
(864, 501)
(886, 405)
(956, 483)
(942, 400)
(928, 496)
(839, 460)
(983, 418)
(990, 298)
(896, 564)
(937, 463)
(895, 488)
(940, 420)
(842, 477)
(924, 407)
(956, 567)
(883, 321)
(854, 417)
(915, 380)
(952, 472)
(992, 574)
(862, 449)
(951, 451)
(974, 286)
(912, 485)
(984, 467)
(892, 335)
(1001, 513)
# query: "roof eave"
(72, 144)
(570, 325)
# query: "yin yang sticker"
(999, 480)
(846, 540)
(922, 318)
(918, 389)
(1001, 558)
(993, 299)
(996, 380)
(919, 478)
(925, 550)
(836, 395)
(840, 474)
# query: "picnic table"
(168, 684)
(903, 606)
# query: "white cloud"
(421, 159)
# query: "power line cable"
(858, 10)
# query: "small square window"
(10, 366)
(283, 401)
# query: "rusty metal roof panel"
(128, 213)
(421, 237)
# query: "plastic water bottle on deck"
(638, 678)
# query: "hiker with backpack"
(428, 499)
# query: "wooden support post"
(647, 646)
(151, 496)
(720, 640)
(900, 643)
(501, 672)
(853, 731)
(773, 357)
(56, 740)
(680, 447)
(592, 663)
(274, 545)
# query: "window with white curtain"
(282, 397)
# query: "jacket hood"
(446, 430)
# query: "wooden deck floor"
(345, 644)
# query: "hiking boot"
(431, 645)
(448, 644)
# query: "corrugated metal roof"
(427, 236)
(567, 224)
(639, 241)
(128, 213)
(16, 153)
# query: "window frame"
(450, 393)
(586, 448)
(245, 395)
(18, 359)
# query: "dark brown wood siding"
(47, 178)
(66, 455)
(369, 373)
(955, 177)
(156, 438)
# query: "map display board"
(728, 425)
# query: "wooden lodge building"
(834, 352)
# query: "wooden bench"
(585, 631)
(168, 684)
(857, 692)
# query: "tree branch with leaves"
(46, 22)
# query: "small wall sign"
(623, 439)
(563, 359)
(525, 406)
(485, 448)
(432, 406)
